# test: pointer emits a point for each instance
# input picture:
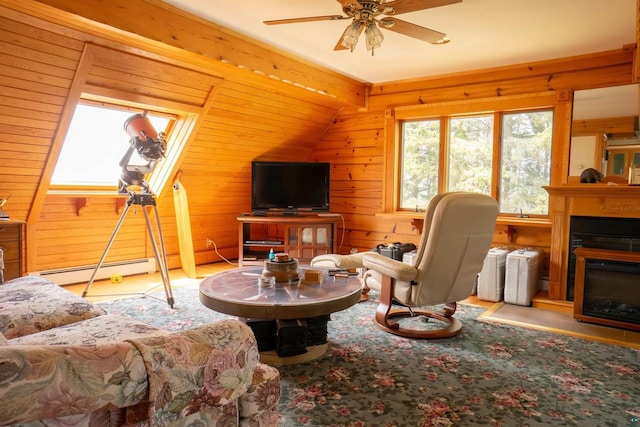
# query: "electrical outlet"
(210, 243)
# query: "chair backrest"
(453, 247)
(428, 218)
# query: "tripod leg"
(167, 282)
(161, 257)
(106, 250)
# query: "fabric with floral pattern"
(32, 304)
(41, 382)
(101, 329)
(190, 380)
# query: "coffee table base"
(313, 352)
(290, 341)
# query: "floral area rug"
(491, 374)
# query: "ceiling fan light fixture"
(351, 35)
(373, 36)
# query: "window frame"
(182, 120)
(125, 107)
(558, 102)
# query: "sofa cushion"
(32, 304)
(96, 330)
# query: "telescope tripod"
(145, 199)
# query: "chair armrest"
(339, 261)
(390, 267)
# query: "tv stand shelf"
(301, 237)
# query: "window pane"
(420, 153)
(526, 162)
(470, 154)
(95, 144)
(617, 159)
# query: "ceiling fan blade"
(307, 19)
(413, 30)
(405, 6)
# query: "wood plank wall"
(251, 117)
(355, 143)
(38, 64)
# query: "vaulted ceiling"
(483, 33)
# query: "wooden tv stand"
(303, 237)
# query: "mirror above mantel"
(604, 133)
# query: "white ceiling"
(607, 102)
(483, 33)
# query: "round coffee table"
(237, 292)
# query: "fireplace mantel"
(594, 190)
(601, 200)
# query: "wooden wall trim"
(158, 23)
(600, 126)
(602, 69)
(549, 69)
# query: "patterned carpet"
(491, 374)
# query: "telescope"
(150, 147)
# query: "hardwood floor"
(538, 318)
(105, 290)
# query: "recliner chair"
(458, 231)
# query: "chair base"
(453, 326)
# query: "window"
(465, 152)
(96, 142)
(526, 162)
(470, 148)
(420, 159)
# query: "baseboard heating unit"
(67, 276)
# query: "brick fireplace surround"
(597, 200)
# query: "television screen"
(289, 186)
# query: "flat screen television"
(289, 186)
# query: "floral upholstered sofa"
(66, 362)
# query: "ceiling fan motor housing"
(366, 11)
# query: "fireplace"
(618, 234)
(569, 201)
(607, 287)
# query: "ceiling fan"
(371, 15)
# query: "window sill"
(417, 220)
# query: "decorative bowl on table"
(283, 268)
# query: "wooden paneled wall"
(355, 144)
(41, 63)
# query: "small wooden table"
(236, 292)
